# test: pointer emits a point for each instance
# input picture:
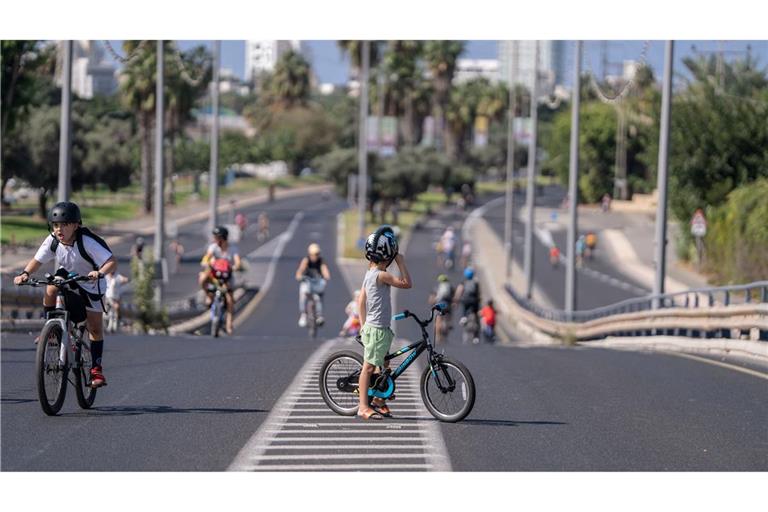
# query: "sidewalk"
(194, 211)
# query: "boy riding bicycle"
(375, 308)
(220, 249)
(75, 249)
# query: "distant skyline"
(331, 66)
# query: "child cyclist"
(77, 250)
(375, 308)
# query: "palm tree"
(401, 63)
(138, 87)
(441, 59)
(289, 84)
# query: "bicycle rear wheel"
(449, 392)
(50, 372)
(85, 393)
(339, 379)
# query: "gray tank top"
(378, 306)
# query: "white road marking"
(416, 438)
(754, 373)
(342, 467)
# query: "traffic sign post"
(699, 230)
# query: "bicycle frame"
(416, 348)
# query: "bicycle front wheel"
(50, 371)
(339, 379)
(449, 391)
(216, 315)
(85, 393)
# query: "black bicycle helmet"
(64, 211)
(381, 245)
(221, 231)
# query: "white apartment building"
(262, 56)
(551, 63)
(92, 73)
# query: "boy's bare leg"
(364, 383)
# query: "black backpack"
(471, 293)
(81, 246)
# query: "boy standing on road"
(76, 249)
(375, 308)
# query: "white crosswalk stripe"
(302, 433)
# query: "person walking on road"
(381, 249)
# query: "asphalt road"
(598, 283)
(192, 403)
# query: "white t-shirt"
(217, 253)
(448, 241)
(68, 257)
(114, 285)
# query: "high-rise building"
(261, 56)
(92, 74)
(551, 63)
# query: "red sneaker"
(97, 378)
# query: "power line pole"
(362, 158)
(573, 180)
(65, 138)
(159, 177)
(661, 184)
(214, 168)
(509, 210)
(531, 185)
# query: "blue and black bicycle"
(446, 386)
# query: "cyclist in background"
(220, 249)
(444, 292)
(468, 293)
(313, 274)
(114, 292)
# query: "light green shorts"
(376, 341)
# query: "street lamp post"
(661, 183)
(65, 160)
(509, 210)
(214, 168)
(531, 185)
(573, 180)
(159, 178)
(362, 158)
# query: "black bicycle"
(64, 328)
(446, 386)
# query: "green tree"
(40, 136)
(26, 82)
(737, 235)
(597, 144)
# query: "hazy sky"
(331, 67)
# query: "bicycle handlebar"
(440, 307)
(56, 280)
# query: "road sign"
(698, 224)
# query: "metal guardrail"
(752, 293)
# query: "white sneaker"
(303, 320)
(320, 320)
(463, 320)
